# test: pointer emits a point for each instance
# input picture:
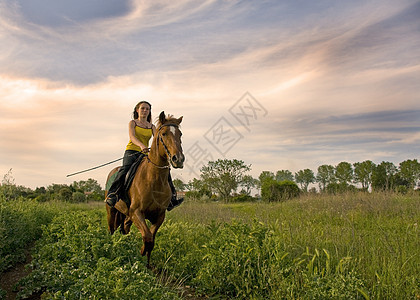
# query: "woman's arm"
(132, 134)
(153, 130)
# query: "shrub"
(95, 196)
(340, 188)
(78, 197)
(242, 198)
(199, 196)
(65, 194)
(272, 190)
(41, 198)
(402, 189)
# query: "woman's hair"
(136, 114)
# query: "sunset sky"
(277, 84)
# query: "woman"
(140, 130)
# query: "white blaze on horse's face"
(172, 129)
(171, 142)
(177, 159)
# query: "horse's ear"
(180, 119)
(162, 117)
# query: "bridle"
(168, 154)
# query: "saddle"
(123, 191)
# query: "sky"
(280, 85)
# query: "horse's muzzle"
(178, 160)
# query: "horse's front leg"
(139, 220)
(155, 226)
(153, 229)
(127, 225)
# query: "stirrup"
(111, 199)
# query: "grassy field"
(354, 246)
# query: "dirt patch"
(13, 275)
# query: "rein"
(156, 165)
(168, 154)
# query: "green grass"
(20, 225)
(353, 246)
(375, 234)
(76, 258)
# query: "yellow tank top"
(144, 135)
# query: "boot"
(174, 203)
(121, 206)
(111, 199)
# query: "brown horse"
(150, 192)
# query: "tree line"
(228, 180)
(78, 191)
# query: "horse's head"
(169, 140)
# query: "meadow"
(352, 246)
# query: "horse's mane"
(169, 119)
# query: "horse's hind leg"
(111, 218)
(126, 225)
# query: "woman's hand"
(145, 150)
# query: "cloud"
(111, 45)
(339, 81)
(52, 13)
(138, 37)
(374, 127)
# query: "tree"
(179, 184)
(194, 185)
(224, 175)
(325, 176)
(55, 188)
(383, 176)
(90, 188)
(344, 173)
(265, 176)
(283, 175)
(8, 186)
(10, 191)
(304, 178)
(90, 185)
(248, 182)
(409, 171)
(363, 173)
(197, 189)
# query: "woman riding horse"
(150, 192)
(140, 130)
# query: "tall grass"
(353, 246)
(377, 234)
